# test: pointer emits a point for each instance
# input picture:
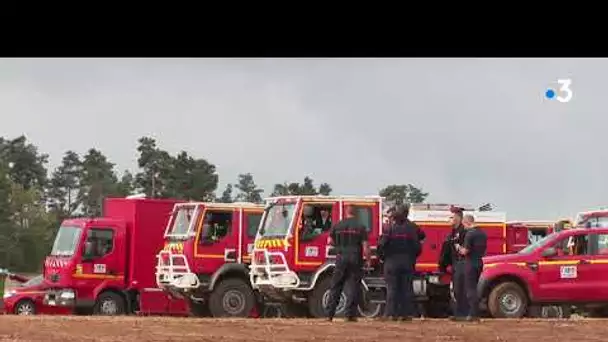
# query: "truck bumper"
(60, 297)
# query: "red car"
(26, 299)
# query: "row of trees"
(33, 201)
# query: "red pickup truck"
(568, 268)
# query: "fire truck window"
(574, 245)
(216, 226)
(602, 244)
(364, 215)
(253, 223)
(99, 242)
(316, 220)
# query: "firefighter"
(399, 247)
(451, 257)
(473, 250)
(308, 229)
(324, 221)
(349, 238)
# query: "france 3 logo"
(563, 94)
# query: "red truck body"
(205, 256)
(566, 268)
(291, 266)
(106, 265)
(523, 233)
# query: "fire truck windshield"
(593, 222)
(277, 220)
(66, 241)
(538, 243)
(180, 220)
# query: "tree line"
(34, 200)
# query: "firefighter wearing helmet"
(399, 246)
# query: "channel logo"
(564, 92)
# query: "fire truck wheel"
(232, 298)
(109, 304)
(507, 300)
(319, 298)
(25, 307)
(366, 308)
(550, 311)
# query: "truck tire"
(109, 304)
(25, 307)
(367, 309)
(232, 298)
(507, 300)
(319, 297)
(550, 311)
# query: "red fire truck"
(292, 265)
(204, 260)
(564, 269)
(105, 265)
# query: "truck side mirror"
(549, 252)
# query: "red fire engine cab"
(294, 266)
(105, 265)
(205, 257)
(592, 219)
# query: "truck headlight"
(9, 294)
(67, 294)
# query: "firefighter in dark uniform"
(451, 257)
(399, 246)
(349, 237)
(473, 250)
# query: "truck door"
(217, 239)
(598, 286)
(251, 223)
(368, 214)
(312, 248)
(568, 276)
(103, 258)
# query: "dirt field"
(84, 329)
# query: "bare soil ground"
(85, 329)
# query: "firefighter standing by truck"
(473, 250)
(451, 257)
(399, 247)
(349, 237)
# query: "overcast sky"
(465, 130)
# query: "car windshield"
(33, 282)
(180, 220)
(538, 243)
(66, 241)
(277, 220)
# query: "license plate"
(51, 302)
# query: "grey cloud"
(467, 130)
